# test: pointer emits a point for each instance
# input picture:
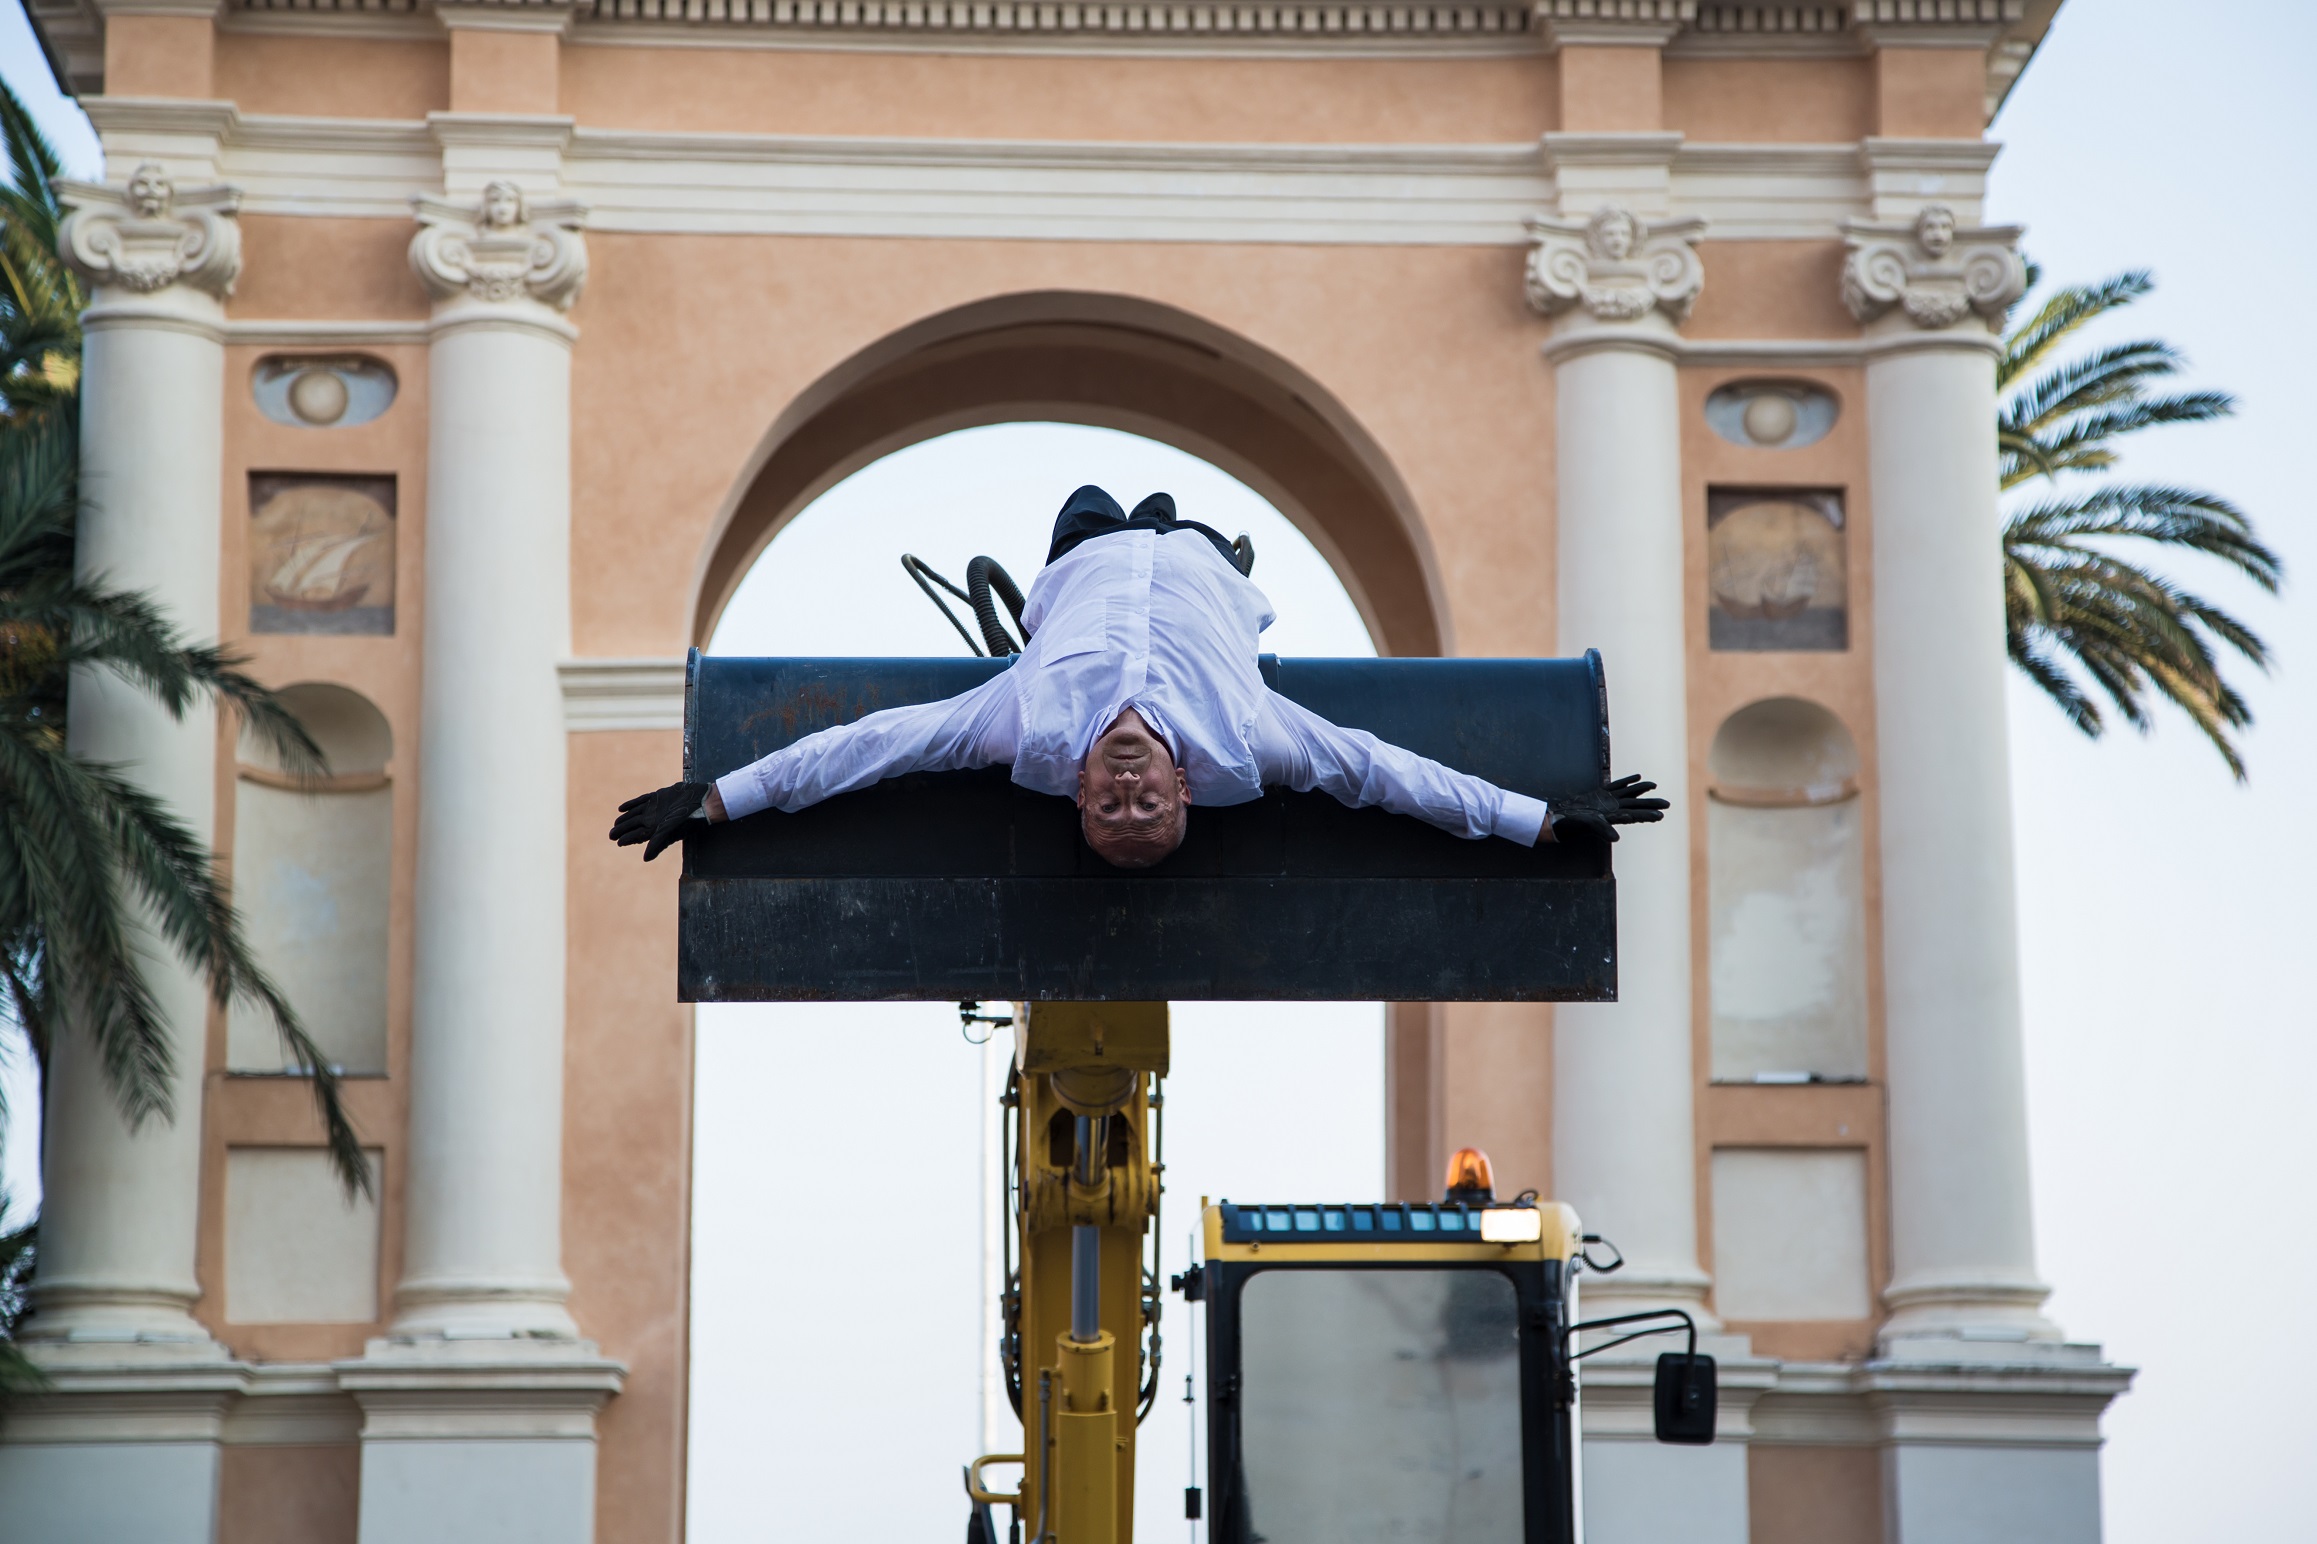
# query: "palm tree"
(2071, 599)
(16, 1369)
(40, 298)
(90, 863)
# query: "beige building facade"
(456, 361)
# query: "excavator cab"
(1389, 1371)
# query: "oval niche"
(309, 391)
(1771, 415)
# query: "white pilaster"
(127, 1443)
(483, 1251)
(1624, 1150)
(1962, 1240)
(117, 1233)
(1624, 1144)
(479, 1408)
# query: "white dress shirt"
(1164, 625)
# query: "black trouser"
(1090, 512)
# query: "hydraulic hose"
(983, 575)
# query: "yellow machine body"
(1075, 1064)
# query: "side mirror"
(1687, 1397)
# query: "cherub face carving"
(502, 206)
(1615, 235)
(149, 191)
(1935, 229)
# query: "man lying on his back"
(1138, 695)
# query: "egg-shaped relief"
(311, 391)
(1771, 415)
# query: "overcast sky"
(2169, 971)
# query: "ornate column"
(1624, 1149)
(483, 1251)
(479, 1409)
(1962, 1241)
(125, 1442)
(1624, 1139)
(118, 1223)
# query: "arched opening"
(1786, 885)
(313, 874)
(885, 1112)
(1113, 362)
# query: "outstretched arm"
(1304, 751)
(975, 729)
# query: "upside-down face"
(1133, 802)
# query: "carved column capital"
(508, 247)
(1615, 266)
(1931, 270)
(149, 234)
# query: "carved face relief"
(150, 192)
(1935, 230)
(1615, 235)
(502, 206)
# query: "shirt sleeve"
(974, 729)
(1360, 770)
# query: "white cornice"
(1751, 29)
(2007, 31)
(1323, 194)
(752, 184)
(606, 694)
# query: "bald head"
(1133, 802)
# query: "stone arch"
(1114, 362)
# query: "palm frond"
(2068, 309)
(2168, 516)
(87, 849)
(170, 872)
(90, 624)
(2077, 609)
(2119, 373)
(54, 855)
(18, 1247)
(33, 164)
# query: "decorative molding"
(270, 333)
(149, 234)
(1616, 267)
(1770, 192)
(498, 1389)
(553, 18)
(506, 248)
(1796, 797)
(779, 185)
(1768, 353)
(1933, 270)
(1148, 24)
(1617, 23)
(72, 31)
(1214, 19)
(1058, 191)
(608, 694)
(291, 782)
(1904, 175)
(2044, 1396)
(1764, 29)
(1935, 23)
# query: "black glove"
(1599, 811)
(660, 817)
